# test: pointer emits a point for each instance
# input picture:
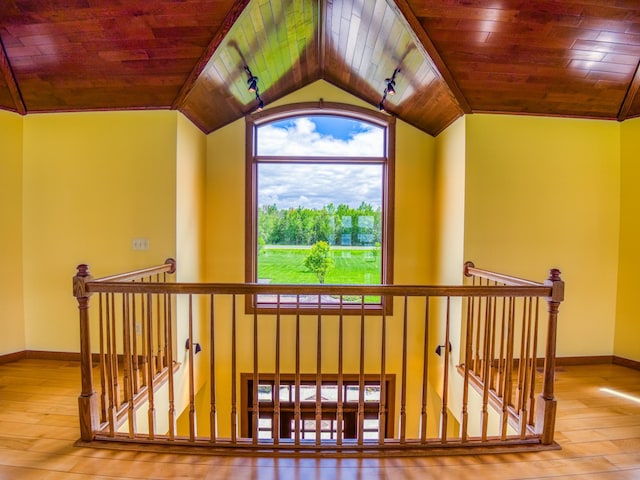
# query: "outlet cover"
(140, 244)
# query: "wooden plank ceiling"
(571, 58)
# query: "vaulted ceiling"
(575, 58)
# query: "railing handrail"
(471, 270)
(538, 290)
(169, 266)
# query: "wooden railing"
(439, 367)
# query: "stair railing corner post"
(546, 408)
(88, 399)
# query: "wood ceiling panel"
(573, 58)
(365, 43)
(278, 41)
(6, 100)
(69, 55)
(561, 58)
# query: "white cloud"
(300, 137)
(290, 185)
(317, 185)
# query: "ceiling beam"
(630, 97)
(7, 73)
(231, 17)
(431, 52)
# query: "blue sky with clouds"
(313, 186)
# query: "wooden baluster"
(111, 414)
(134, 353)
(382, 413)
(212, 362)
(103, 366)
(234, 406)
(361, 385)
(256, 381)
(472, 311)
(191, 372)
(127, 365)
(468, 354)
(501, 359)
(534, 360)
(445, 381)
(476, 363)
(486, 369)
(171, 380)
(114, 356)
(143, 340)
(520, 363)
(88, 401)
(340, 412)
(425, 375)
(506, 402)
(319, 375)
(151, 412)
(296, 405)
(160, 331)
(492, 342)
(403, 373)
(526, 365)
(485, 341)
(276, 387)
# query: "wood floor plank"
(599, 434)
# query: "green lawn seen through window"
(282, 264)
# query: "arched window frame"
(388, 181)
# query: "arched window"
(319, 203)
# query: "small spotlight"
(389, 89)
(253, 84)
(252, 81)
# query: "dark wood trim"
(233, 15)
(587, 360)
(251, 198)
(625, 362)
(14, 89)
(430, 53)
(321, 107)
(12, 357)
(47, 355)
(630, 96)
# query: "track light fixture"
(390, 89)
(252, 86)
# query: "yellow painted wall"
(225, 250)
(627, 333)
(449, 198)
(190, 205)
(92, 182)
(12, 324)
(542, 193)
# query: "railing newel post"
(546, 407)
(88, 399)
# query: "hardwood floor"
(599, 433)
